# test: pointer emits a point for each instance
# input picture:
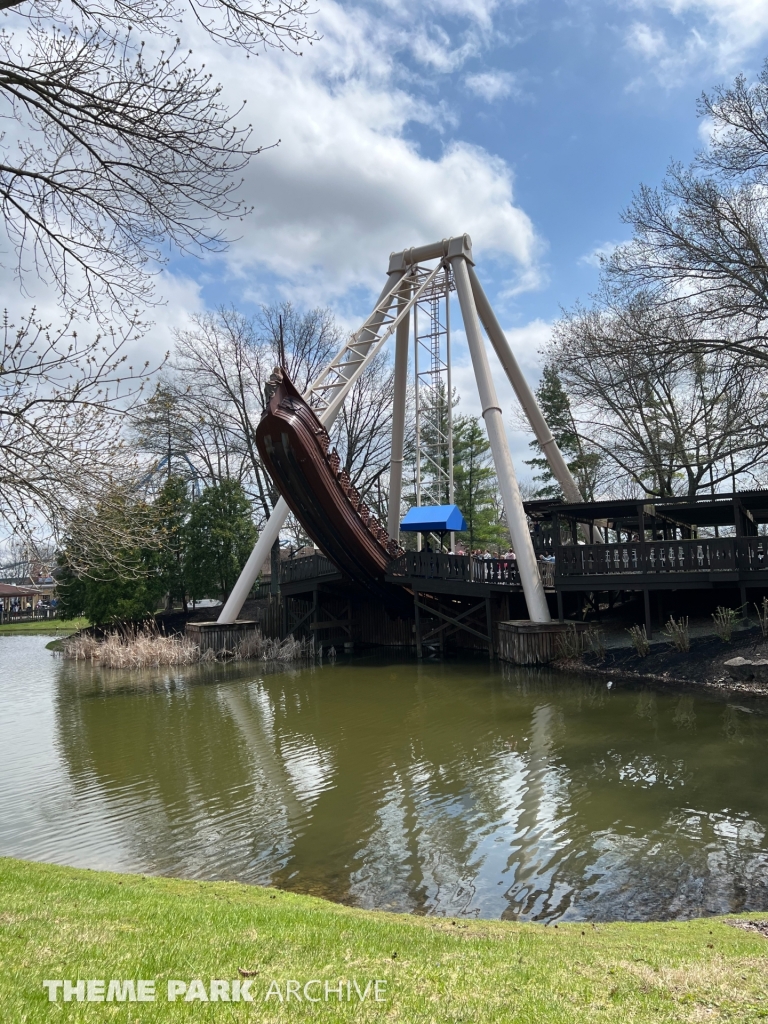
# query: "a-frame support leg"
(398, 425)
(517, 523)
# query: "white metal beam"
(525, 396)
(505, 471)
(398, 424)
(461, 245)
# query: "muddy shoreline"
(703, 666)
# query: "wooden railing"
(308, 567)
(753, 554)
(431, 565)
(30, 615)
(718, 554)
(465, 568)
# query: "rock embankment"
(745, 669)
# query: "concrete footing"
(534, 643)
(219, 636)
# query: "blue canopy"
(434, 519)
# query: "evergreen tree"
(584, 465)
(122, 584)
(219, 538)
(475, 484)
(160, 427)
(173, 507)
(111, 597)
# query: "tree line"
(655, 386)
(658, 385)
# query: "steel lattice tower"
(433, 393)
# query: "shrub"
(639, 640)
(145, 647)
(676, 632)
(595, 642)
(725, 619)
(568, 645)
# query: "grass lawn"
(61, 923)
(52, 626)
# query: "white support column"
(256, 560)
(523, 391)
(449, 386)
(274, 525)
(494, 423)
(417, 412)
(398, 425)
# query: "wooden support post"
(417, 615)
(560, 614)
(274, 568)
(647, 603)
(489, 622)
(743, 595)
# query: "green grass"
(58, 923)
(51, 626)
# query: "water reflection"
(445, 789)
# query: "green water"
(453, 788)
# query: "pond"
(455, 788)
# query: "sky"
(527, 124)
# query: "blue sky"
(537, 120)
(528, 124)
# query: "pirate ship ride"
(297, 453)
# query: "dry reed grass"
(145, 647)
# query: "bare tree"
(62, 454)
(302, 343)
(669, 425)
(223, 363)
(703, 234)
(123, 145)
(363, 433)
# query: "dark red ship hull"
(296, 451)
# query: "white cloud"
(646, 41)
(493, 85)
(348, 184)
(527, 342)
(722, 32)
(596, 256)
(417, 28)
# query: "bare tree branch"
(62, 454)
(122, 147)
